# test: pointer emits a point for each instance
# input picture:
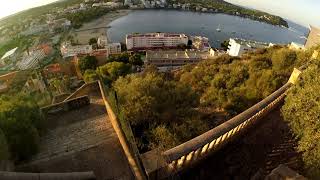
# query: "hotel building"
(155, 40)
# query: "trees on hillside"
(21, 123)
(302, 110)
(4, 149)
(136, 60)
(153, 105)
(88, 62)
(90, 76)
(113, 70)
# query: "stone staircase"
(283, 153)
(74, 138)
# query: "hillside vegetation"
(302, 111)
(166, 109)
(224, 7)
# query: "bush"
(4, 149)
(301, 110)
(88, 62)
(90, 76)
(21, 122)
(152, 99)
(163, 138)
(113, 70)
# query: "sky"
(8, 7)
(303, 12)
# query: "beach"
(87, 31)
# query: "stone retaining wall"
(66, 105)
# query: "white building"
(296, 46)
(201, 43)
(102, 41)
(155, 40)
(67, 50)
(239, 46)
(9, 56)
(31, 60)
(113, 48)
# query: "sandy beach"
(83, 35)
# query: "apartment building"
(155, 41)
(68, 50)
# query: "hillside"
(221, 6)
(175, 107)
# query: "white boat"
(219, 29)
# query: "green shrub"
(302, 110)
(4, 149)
(21, 122)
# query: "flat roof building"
(155, 41)
(313, 37)
(239, 46)
(176, 58)
(67, 50)
(31, 60)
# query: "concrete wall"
(84, 90)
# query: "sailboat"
(219, 29)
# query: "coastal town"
(75, 103)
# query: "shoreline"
(208, 12)
(82, 36)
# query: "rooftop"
(156, 35)
(176, 54)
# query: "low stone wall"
(84, 90)
(66, 105)
(60, 98)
